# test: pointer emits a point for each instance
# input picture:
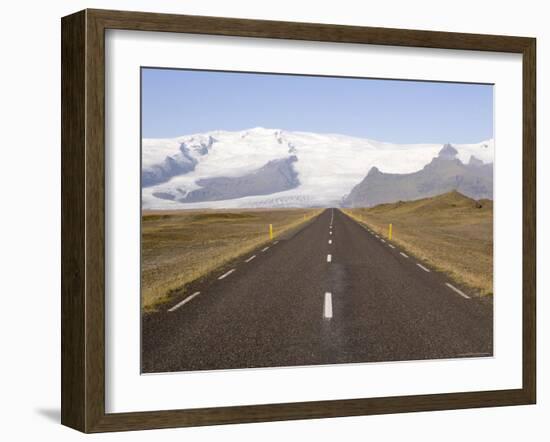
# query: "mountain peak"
(444, 174)
(374, 171)
(448, 152)
(260, 129)
(474, 161)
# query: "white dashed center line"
(185, 301)
(402, 254)
(226, 274)
(422, 267)
(329, 258)
(330, 241)
(457, 291)
(251, 258)
(264, 249)
(330, 233)
(327, 311)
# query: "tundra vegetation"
(179, 247)
(451, 232)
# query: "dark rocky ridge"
(178, 164)
(275, 176)
(443, 174)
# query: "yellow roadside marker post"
(271, 231)
(390, 232)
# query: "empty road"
(333, 292)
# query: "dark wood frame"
(83, 220)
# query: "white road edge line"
(185, 301)
(392, 246)
(329, 258)
(402, 254)
(422, 267)
(383, 240)
(227, 274)
(327, 311)
(265, 248)
(452, 287)
(275, 242)
(250, 259)
(330, 241)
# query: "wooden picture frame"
(83, 220)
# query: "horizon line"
(248, 129)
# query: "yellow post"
(271, 231)
(389, 235)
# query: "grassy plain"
(178, 247)
(451, 232)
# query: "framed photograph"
(271, 220)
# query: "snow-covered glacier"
(274, 168)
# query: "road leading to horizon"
(331, 293)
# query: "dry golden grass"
(179, 247)
(451, 232)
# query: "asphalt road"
(293, 304)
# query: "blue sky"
(180, 102)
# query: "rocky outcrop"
(275, 176)
(445, 173)
(182, 162)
